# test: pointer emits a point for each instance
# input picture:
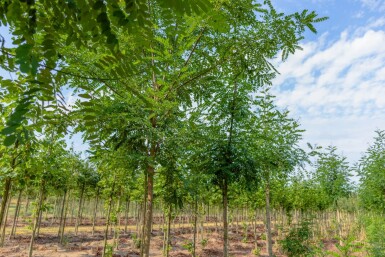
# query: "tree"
(275, 140)
(371, 169)
(332, 174)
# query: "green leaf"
(9, 130)
(85, 96)
(10, 140)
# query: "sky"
(335, 87)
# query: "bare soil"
(87, 245)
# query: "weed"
(204, 242)
(256, 251)
(189, 246)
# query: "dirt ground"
(86, 245)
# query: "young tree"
(276, 147)
(371, 169)
(333, 175)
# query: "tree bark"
(225, 220)
(64, 219)
(126, 215)
(168, 241)
(63, 205)
(143, 215)
(149, 205)
(36, 224)
(78, 218)
(268, 220)
(6, 192)
(26, 205)
(13, 231)
(195, 226)
(108, 222)
(117, 224)
(4, 224)
(95, 211)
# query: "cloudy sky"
(336, 85)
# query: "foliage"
(332, 174)
(371, 169)
(375, 234)
(297, 241)
(348, 245)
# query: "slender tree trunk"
(255, 228)
(195, 225)
(143, 215)
(40, 204)
(78, 218)
(95, 211)
(107, 226)
(148, 217)
(126, 215)
(268, 220)
(5, 223)
(225, 219)
(168, 240)
(108, 218)
(6, 196)
(65, 218)
(26, 205)
(17, 210)
(63, 205)
(117, 225)
(39, 224)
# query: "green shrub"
(375, 234)
(297, 241)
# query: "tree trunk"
(268, 221)
(26, 205)
(126, 215)
(6, 192)
(17, 210)
(117, 224)
(5, 223)
(195, 226)
(108, 218)
(168, 241)
(39, 224)
(36, 224)
(225, 221)
(95, 211)
(78, 218)
(148, 217)
(64, 219)
(255, 228)
(63, 205)
(143, 215)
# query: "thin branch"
(190, 55)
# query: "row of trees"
(148, 78)
(46, 169)
(166, 99)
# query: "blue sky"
(336, 85)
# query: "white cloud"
(374, 4)
(338, 89)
